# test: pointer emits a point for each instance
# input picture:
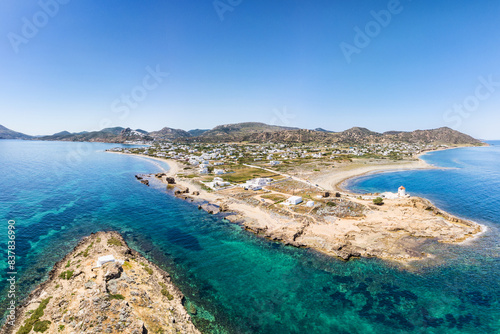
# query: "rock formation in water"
(128, 294)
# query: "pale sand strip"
(337, 179)
(174, 165)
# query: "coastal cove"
(236, 282)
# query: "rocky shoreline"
(127, 295)
(395, 231)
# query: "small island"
(103, 286)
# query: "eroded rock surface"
(135, 296)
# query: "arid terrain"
(340, 224)
(130, 295)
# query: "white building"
(261, 181)
(218, 171)
(105, 259)
(401, 192)
(310, 204)
(294, 200)
(389, 195)
(274, 163)
(217, 184)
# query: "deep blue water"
(239, 283)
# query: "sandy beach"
(174, 167)
(337, 179)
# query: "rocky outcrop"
(210, 208)
(179, 190)
(133, 296)
(394, 232)
(341, 225)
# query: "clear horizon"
(383, 65)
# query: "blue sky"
(88, 64)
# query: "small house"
(294, 200)
(389, 195)
(401, 192)
(105, 259)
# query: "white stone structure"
(105, 259)
(294, 200)
(401, 192)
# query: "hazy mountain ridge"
(107, 135)
(440, 135)
(197, 132)
(6, 133)
(169, 134)
(255, 132)
(240, 131)
(261, 133)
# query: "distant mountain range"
(10, 134)
(111, 135)
(261, 133)
(254, 132)
(170, 134)
(197, 132)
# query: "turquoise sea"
(58, 192)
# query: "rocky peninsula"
(340, 224)
(103, 286)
